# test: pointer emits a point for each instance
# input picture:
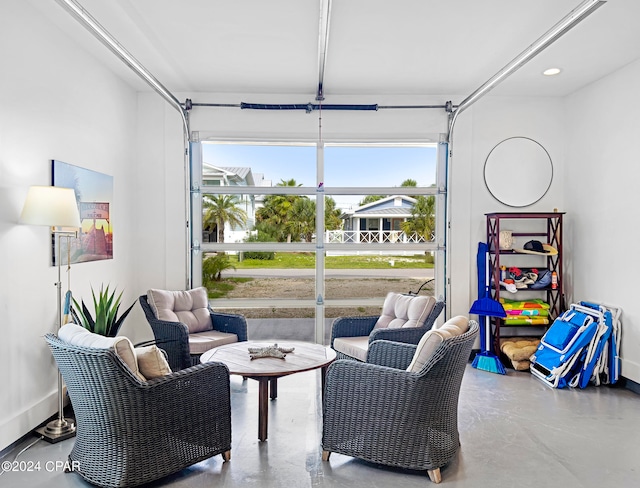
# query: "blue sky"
(344, 166)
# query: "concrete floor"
(515, 432)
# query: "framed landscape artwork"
(94, 195)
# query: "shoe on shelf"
(516, 275)
(530, 278)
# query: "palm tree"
(277, 213)
(332, 220)
(219, 209)
(370, 199)
(374, 198)
(274, 214)
(423, 220)
(409, 182)
(301, 221)
(291, 182)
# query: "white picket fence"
(371, 236)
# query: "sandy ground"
(291, 288)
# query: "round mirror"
(518, 171)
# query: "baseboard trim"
(22, 425)
(631, 385)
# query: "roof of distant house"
(236, 174)
(398, 205)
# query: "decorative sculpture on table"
(269, 352)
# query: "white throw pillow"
(152, 362)
(190, 307)
(427, 346)
(77, 335)
(404, 311)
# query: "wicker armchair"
(174, 337)
(363, 331)
(131, 432)
(382, 413)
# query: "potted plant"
(106, 306)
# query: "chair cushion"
(434, 337)
(190, 307)
(404, 311)
(77, 335)
(152, 362)
(355, 347)
(203, 341)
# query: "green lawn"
(307, 261)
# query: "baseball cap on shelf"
(537, 247)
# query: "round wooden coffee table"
(266, 370)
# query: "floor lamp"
(54, 207)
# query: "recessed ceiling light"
(551, 71)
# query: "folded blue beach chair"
(594, 360)
(580, 347)
(562, 349)
(613, 363)
(605, 360)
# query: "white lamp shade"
(52, 206)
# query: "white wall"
(602, 173)
(160, 196)
(56, 103)
(477, 131)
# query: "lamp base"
(57, 430)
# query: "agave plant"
(106, 305)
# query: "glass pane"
(250, 217)
(267, 285)
(275, 284)
(227, 218)
(369, 276)
(259, 164)
(370, 166)
(366, 289)
(260, 275)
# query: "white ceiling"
(376, 47)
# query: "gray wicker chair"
(364, 326)
(173, 337)
(131, 432)
(379, 412)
